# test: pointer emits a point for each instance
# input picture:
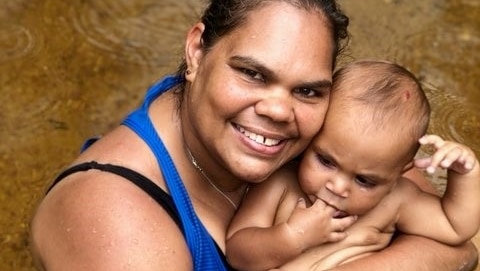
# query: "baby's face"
(349, 168)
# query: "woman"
(252, 92)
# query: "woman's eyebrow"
(254, 63)
(324, 84)
(262, 68)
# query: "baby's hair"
(389, 96)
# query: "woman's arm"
(361, 240)
(98, 221)
(409, 252)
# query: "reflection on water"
(15, 42)
(73, 69)
(451, 68)
(455, 117)
(438, 41)
(119, 27)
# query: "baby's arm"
(363, 238)
(272, 226)
(455, 217)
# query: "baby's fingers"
(448, 155)
(336, 236)
(451, 155)
(470, 162)
(444, 157)
(461, 163)
(434, 140)
(301, 203)
(340, 224)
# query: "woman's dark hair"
(223, 16)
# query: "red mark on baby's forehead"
(407, 94)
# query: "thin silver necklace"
(205, 177)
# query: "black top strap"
(157, 193)
(160, 196)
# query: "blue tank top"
(204, 252)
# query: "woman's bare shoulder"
(99, 221)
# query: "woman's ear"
(194, 50)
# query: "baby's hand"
(317, 225)
(448, 155)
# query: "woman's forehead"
(284, 36)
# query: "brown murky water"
(73, 69)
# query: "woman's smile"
(259, 138)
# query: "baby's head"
(383, 98)
(377, 113)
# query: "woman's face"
(257, 98)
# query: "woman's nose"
(277, 105)
(339, 186)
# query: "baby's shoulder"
(404, 189)
(284, 179)
(286, 175)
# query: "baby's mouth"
(340, 214)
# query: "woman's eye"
(253, 74)
(365, 182)
(308, 92)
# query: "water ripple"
(444, 63)
(15, 41)
(438, 56)
(454, 119)
(32, 120)
(143, 32)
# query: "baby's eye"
(325, 161)
(365, 182)
(253, 74)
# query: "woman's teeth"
(258, 138)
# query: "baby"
(352, 173)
